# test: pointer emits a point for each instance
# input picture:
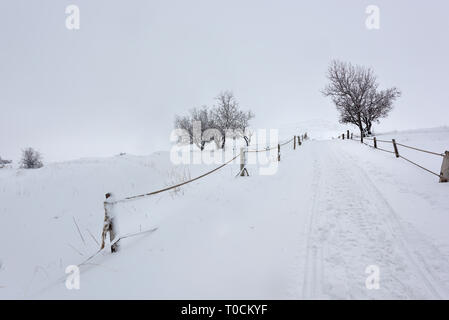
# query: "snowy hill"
(309, 231)
(319, 129)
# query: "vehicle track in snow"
(351, 226)
(313, 253)
(417, 247)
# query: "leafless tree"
(185, 123)
(202, 125)
(354, 91)
(203, 120)
(229, 119)
(243, 125)
(195, 124)
(31, 159)
(378, 105)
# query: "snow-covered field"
(310, 231)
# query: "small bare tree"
(202, 125)
(195, 124)
(185, 123)
(31, 159)
(203, 120)
(229, 118)
(243, 125)
(354, 91)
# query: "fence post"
(375, 143)
(243, 163)
(110, 225)
(279, 152)
(395, 148)
(445, 168)
(299, 141)
(351, 135)
(294, 142)
(343, 136)
(347, 132)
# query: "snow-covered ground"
(310, 231)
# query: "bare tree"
(202, 125)
(243, 125)
(31, 159)
(185, 123)
(195, 124)
(229, 119)
(354, 91)
(378, 105)
(203, 120)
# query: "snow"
(317, 128)
(332, 209)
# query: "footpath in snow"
(310, 231)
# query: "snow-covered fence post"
(343, 136)
(299, 140)
(110, 224)
(445, 168)
(279, 152)
(243, 163)
(396, 152)
(347, 134)
(375, 143)
(294, 142)
(351, 135)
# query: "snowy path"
(310, 231)
(351, 226)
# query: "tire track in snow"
(396, 226)
(380, 235)
(350, 226)
(313, 255)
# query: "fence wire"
(177, 185)
(197, 178)
(400, 156)
(402, 145)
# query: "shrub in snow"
(3, 163)
(31, 159)
(176, 177)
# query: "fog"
(115, 84)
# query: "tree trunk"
(246, 140)
(360, 125)
(368, 127)
(223, 142)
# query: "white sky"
(116, 84)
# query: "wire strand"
(417, 149)
(408, 160)
(438, 175)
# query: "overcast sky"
(116, 84)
